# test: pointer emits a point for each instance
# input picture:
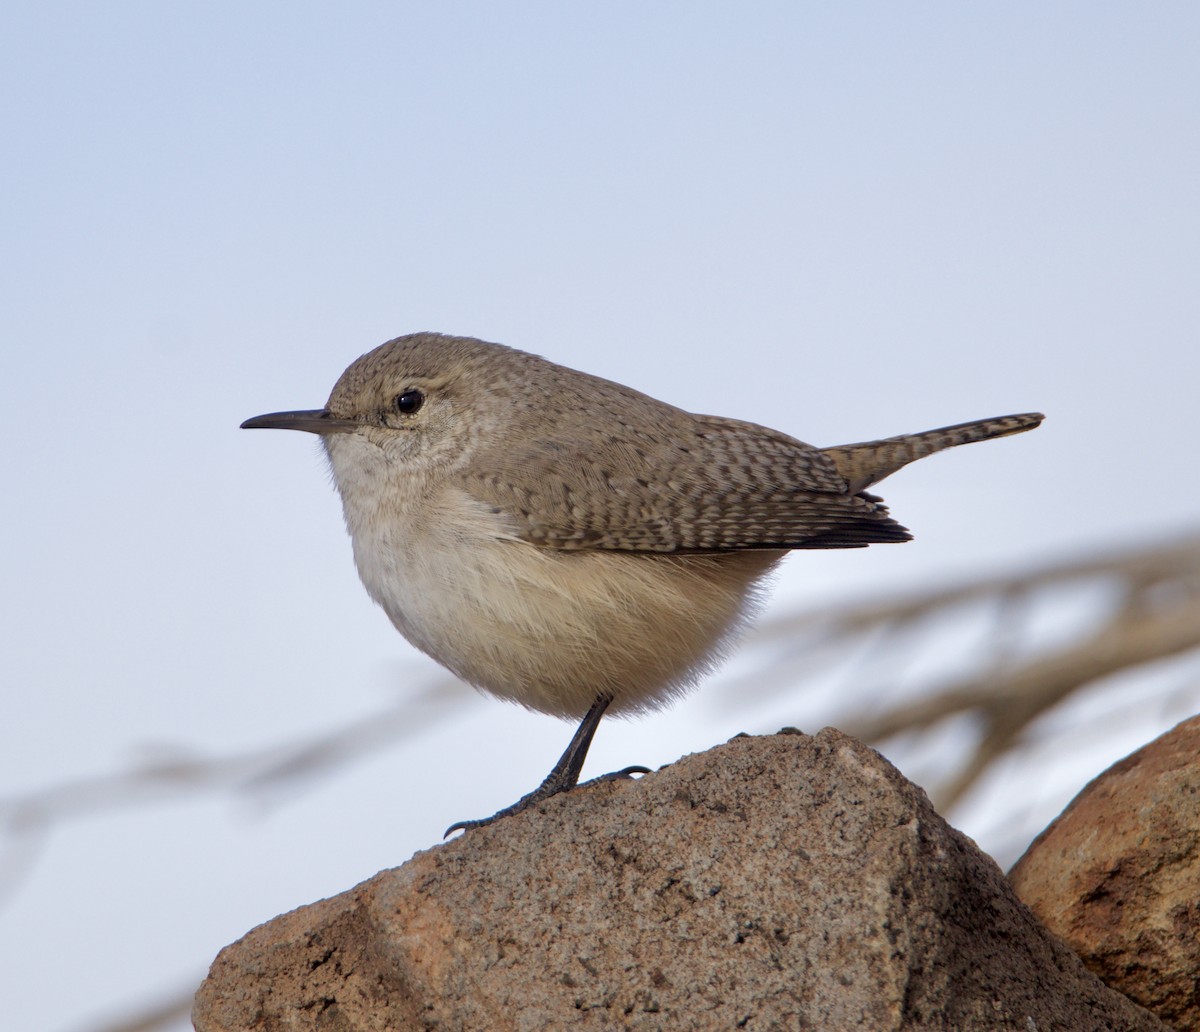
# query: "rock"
(784, 882)
(1117, 876)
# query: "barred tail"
(869, 462)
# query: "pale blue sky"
(843, 221)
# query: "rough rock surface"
(786, 882)
(1117, 876)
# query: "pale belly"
(553, 630)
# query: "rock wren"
(570, 544)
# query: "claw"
(621, 775)
(543, 792)
(565, 774)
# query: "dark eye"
(409, 402)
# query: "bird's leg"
(565, 773)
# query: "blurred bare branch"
(177, 771)
(1144, 605)
(171, 1012)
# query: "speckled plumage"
(566, 542)
(518, 473)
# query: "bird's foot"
(549, 788)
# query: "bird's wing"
(698, 485)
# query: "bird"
(568, 543)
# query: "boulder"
(779, 882)
(1117, 876)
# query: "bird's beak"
(313, 421)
